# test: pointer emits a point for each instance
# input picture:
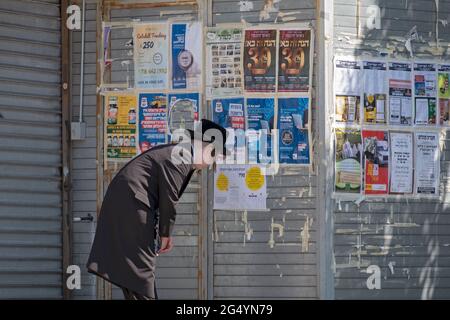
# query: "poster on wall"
(375, 92)
(427, 163)
(260, 121)
(121, 117)
(348, 161)
(401, 170)
(186, 50)
(294, 54)
(444, 94)
(259, 57)
(376, 161)
(229, 113)
(239, 187)
(400, 94)
(183, 111)
(293, 126)
(347, 77)
(150, 56)
(152, 120)
(347, 109)
(223, 61)
(425, 91)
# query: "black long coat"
(123, 251)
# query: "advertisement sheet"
(151, 56)
(294, 60)
(427, 163)
(376, 161)
(348, 161)
(425, 89)
(152, 120)
(121, 117)
(293, 129)
(260, 60)
(347, 77)
(186, 49)
(347, 109)
(375, 98)
(400, 94)
(183, 110)
(239, 187)
(223, 62)
(444, 94)
(401, 170)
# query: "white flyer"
(401, 177)
(239, 187)
(427, 163)
(347, 77)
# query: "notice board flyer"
(376, 161)
(348, 161)
(427, 163)
(152, 120)
(401, 171)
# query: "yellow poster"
(121, 114)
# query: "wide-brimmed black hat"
(207, 131)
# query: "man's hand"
(166, 245)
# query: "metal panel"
(244, 266)
(30, 143)
(408, 240)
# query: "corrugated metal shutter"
(408, 240)
(30, 150)
(84, 152)
(177, 271)
(249, 268)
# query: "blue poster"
(293, 130)
(260, 117)
(186, 46)
(152, 120)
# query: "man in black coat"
(143, 192)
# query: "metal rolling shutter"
(408, 240)
(30, 150)
(248, 268)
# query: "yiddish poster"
(400, 94)
(183, 111)
(375, 97)
(152, 120)
(121, 118)
(239, 187)
(151, 56)
(223, 62)
(401, 170)
(347, 109)
(260, 121)
(427, 163)
(294, 62)
(347, 77)
(376, 161)
(186, 49)
(444, 94)
(260, 50)
(425, 87)
(348, 161)
(293, 127)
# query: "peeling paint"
(305, 235)
(274, 226)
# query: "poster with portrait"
(376, 161)
(223, 62)
(260, 121)
(259, 57)
(444, 94)
(186, 51)
(348, 152)
(239, 187)
(121, 118)
(152, 120)
(427, 163)
(400, 94)
(293, 127)
(294, 62)
(230, 114)
(151, 56)
(375, 98)
(401, 169)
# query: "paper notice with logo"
(223, 62)
(152, 120)
(186, 49)
(444, 94)
(121, 118)
(400, 94)
(348, 161)
(376, 161)
(293, 126)
(427, 163)
(239, 187)
(401, 179)
(294, 54)
(375, 98)
(260, 64)
(151, 56)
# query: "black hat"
(209, 136)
